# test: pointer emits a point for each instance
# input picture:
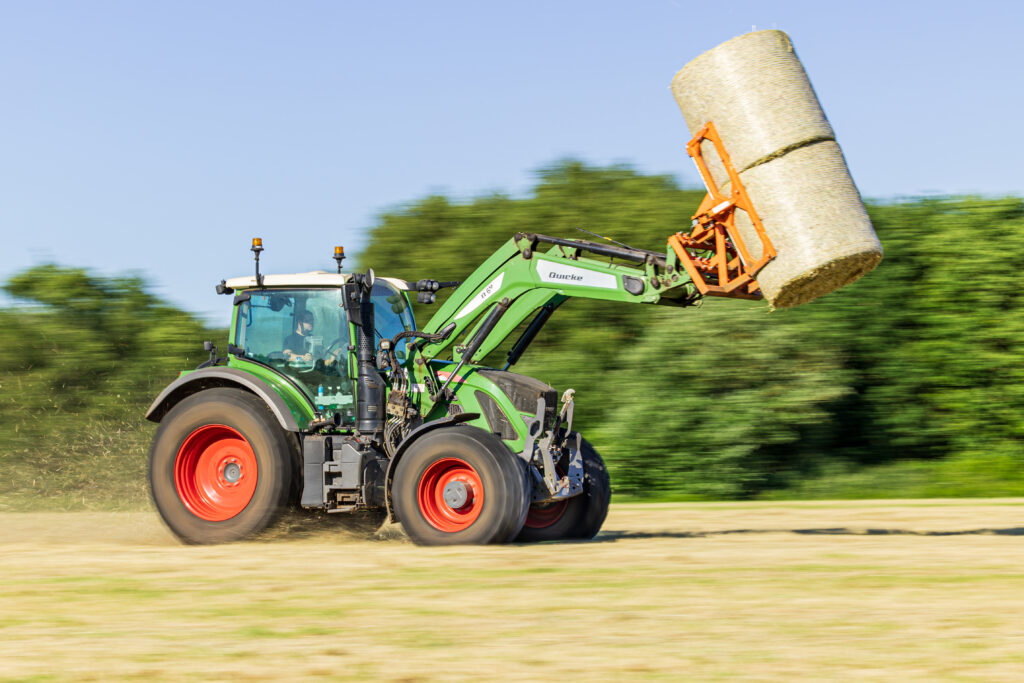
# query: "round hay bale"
(757, 93)
(816, 221)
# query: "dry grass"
(923, 590)
(99, 466)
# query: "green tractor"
(331, 398)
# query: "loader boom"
(519, 278)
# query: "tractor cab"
(297, 326)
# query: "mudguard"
(207, 378)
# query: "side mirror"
(277, 303)
(208, 346)
(369, 279)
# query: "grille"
(524, 391)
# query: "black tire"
(204, 457)
(578, 518)
(293, 502)
(494, 488)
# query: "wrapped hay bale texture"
(816, 221)
(758, 95)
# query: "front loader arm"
(518, 279)
(713, 259)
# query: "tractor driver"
(295, 344)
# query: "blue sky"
(158, 138)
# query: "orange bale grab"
(713, 252)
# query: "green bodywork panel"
(466, 385)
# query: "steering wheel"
(338, 367)
(331, 348)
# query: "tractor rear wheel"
(220, 467)
(575, 518)
(460, 485)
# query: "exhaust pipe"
(369, 384)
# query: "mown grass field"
(913, 590)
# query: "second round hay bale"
(813, 214)
(757, 93)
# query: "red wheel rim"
(215, 473)
(462, 483)
(544, 515)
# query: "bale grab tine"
(714, 253)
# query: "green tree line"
(908, 382)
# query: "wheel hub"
(450, 494)
(232, 472)
(456, 494)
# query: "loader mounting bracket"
(714, 252)
(543, 454)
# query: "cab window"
(302, 334)
(391, 315)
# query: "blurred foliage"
(719, 414)
(84, 346)
(909, 382)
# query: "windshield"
(291, 325)
(303, 333)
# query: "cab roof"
(314, 278)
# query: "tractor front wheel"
(460, 485)
(220, 467)
(576, 518)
